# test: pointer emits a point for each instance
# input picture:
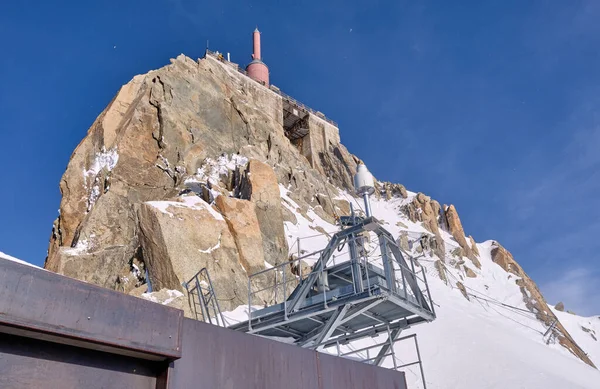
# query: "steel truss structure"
(365, 296)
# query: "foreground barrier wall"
(56, 332)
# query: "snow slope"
(585, 331)
(476, 343)
(9, 258)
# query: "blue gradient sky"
(491, 106)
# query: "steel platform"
(367, 295)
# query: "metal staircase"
(203, 299)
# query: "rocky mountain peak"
(195, 165)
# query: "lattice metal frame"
(336, 304)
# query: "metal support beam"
(302, 291)
(331, 325)
(388, 266)
(392, 336)
(360, 310)
(372, 331)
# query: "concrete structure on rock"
(310, 131)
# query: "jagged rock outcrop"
(389, 190)
(560, 306)
(456, 229)
(474, 246)
(421, 210)
(440, 267)
(534, 300)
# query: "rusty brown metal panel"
(341, 373)
(215, 358)
(218, 358)
(88, 325)
(40, 301)
(30, 363)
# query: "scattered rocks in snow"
(439, 266)
(462, 289)
(469, 273)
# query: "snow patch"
(190, 202)
(172, 295)
(82, 246)
(212, 170)
(11, 258)
(103, 160)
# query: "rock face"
(192, 126)
(242, 221)
(535, 302)
(259, 185)
(180, 239)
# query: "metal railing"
(365, 354)
(278, 282)
(279, 279)
(425, 292)
(285, 96)
(202, 295)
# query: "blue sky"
(492, 106)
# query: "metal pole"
(285, 315)
(249, 304)
(275, 286)
(324, 290)
(392, 347)
(299, 260)
(420, 363)
(354, 260)
(367, 204)
(214, 294)
(428, 292)
(403, 280)
(387, 264)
